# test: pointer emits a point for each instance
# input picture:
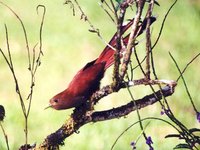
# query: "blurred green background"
(68, 46)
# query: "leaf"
(119, 1)
(180, 146)
(173, 135)
(194, 130)
(92, 30)
(156, 3)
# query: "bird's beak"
(50, 106)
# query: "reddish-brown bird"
(87, 80)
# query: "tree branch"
(78, 118)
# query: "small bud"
(133, 145)
(198, 117)
(2, 113)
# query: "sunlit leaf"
(180, 146)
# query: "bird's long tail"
(108, 53)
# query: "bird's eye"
(56, 100)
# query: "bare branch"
(11, 67)
(24, 30)
(32, 66)
(106, 11)
(132, 38)
(120, 20)
(160, 32)
(148, 39)
(36, 62)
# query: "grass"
(67, 47)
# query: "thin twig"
(114, 8)
(11, 67)
(188, 136)
(41, 26)
(106, 11)
(38, 59)
(187, 65)
(113, 11)
(137, 110)
(24, 30)
(5, 136)
(184, 82)
(32, 66)
(93, 29)
(160, 32)
(144, 119)
(163, 23)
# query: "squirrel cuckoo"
(87, 80)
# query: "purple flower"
(2, 113)
(198, 116)
(151, 148)
(162, 112)
(133, 145)
(149, 142)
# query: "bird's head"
(57, 102)
(64, 100)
